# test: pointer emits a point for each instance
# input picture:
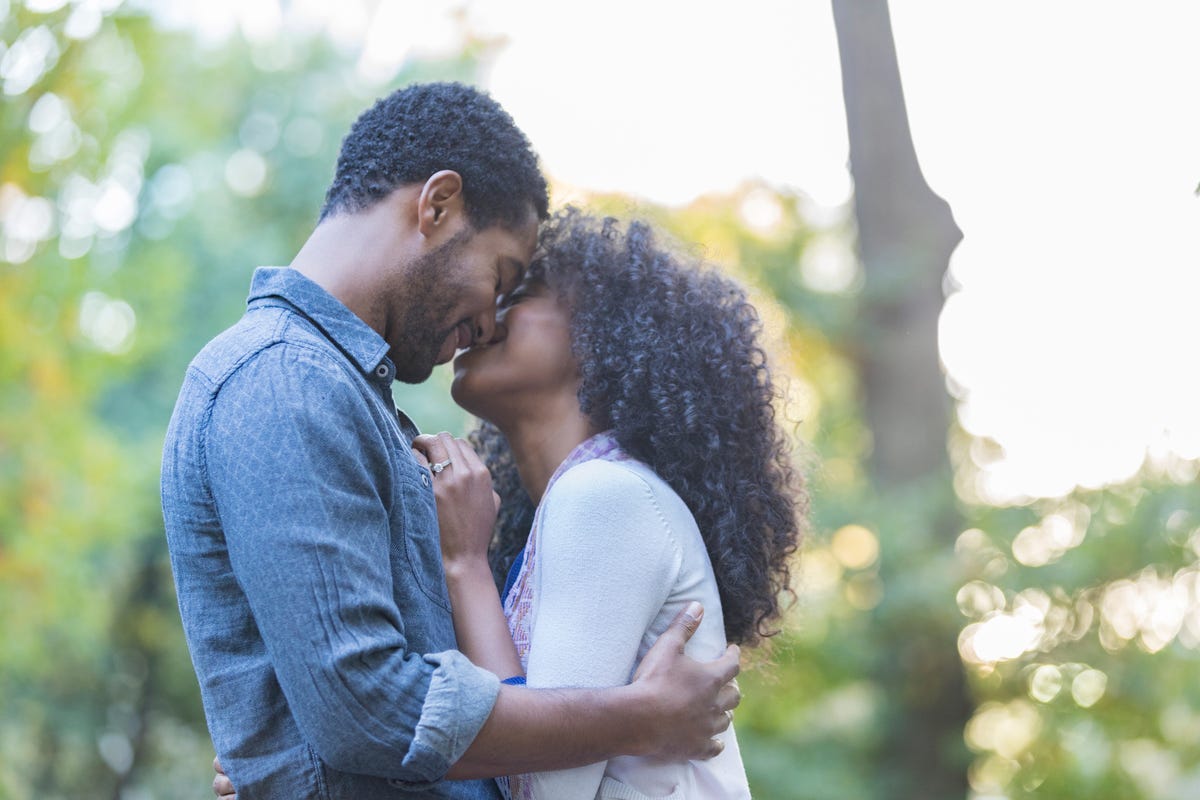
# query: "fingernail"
(695, 610)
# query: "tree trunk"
(906, 234)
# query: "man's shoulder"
(261, 336)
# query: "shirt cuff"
(459, 701)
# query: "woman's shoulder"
(623, 487)
(604, 515)
(600, 482)
(625, 479)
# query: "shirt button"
(424, 479)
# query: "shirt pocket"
(419, 536)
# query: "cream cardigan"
(617, 556)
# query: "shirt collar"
(355, 338)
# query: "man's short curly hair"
(670, 361)
(426, 127)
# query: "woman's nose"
(485, 327)
(499, 329)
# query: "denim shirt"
(304, 544)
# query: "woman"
(629, 429)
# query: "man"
(302, 531)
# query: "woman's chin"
(464, 396)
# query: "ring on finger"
(439, 466)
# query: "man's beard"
(432, 291)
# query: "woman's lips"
(471, 352)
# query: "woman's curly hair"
(670, 362)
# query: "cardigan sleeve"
(607, 560)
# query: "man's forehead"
(528, 230)
(513, 267)
(518, 242)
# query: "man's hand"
(222, 786)
(691, 701)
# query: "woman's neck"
(540, 444)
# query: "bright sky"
(1065, 136)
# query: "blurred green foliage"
(145, 174)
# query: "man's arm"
(671, 710)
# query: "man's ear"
(440, 207)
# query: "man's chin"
(415, 370)
(414, 375)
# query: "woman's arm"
(466, 506)
(479, 622)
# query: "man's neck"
(350, 255)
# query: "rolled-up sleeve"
(294, 471)
(459, 701)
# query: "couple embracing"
(542, 611)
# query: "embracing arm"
(671, 710)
